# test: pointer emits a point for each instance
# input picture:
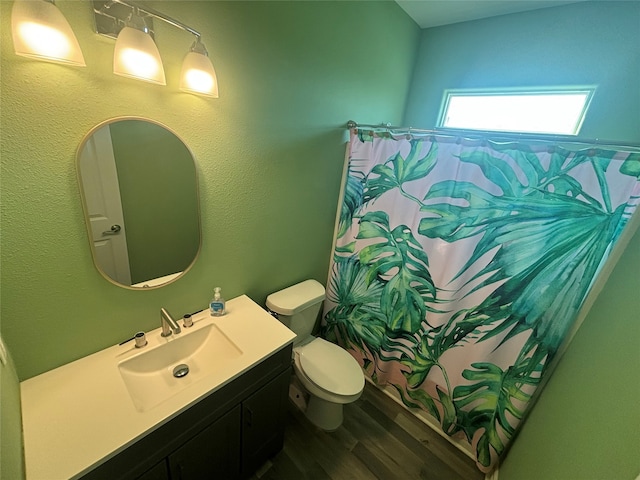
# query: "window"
(542, 111)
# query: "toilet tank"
(298, 307)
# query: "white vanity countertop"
(79, 415)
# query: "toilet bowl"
(329, 374)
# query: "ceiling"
(433, 13)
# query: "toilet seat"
(330, 367)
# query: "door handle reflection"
(115, 229)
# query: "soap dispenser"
(217, 305)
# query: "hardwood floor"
(378, 440)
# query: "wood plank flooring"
(378, 440)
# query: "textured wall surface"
(586, 43)
(269, 153)
(11, 463)
(585, 424)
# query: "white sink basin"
(149, 376)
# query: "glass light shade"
(198, 75)
(136, 56)
(40, 31)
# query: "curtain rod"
(486, 134)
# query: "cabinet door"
(214, 453)
(263, 420)
(159, 472)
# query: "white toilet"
(328, 373)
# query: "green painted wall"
(586, 43)
(584, 425)
(269, 151)
(11, 463)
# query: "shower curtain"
(460, 265)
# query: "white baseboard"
(493, 474)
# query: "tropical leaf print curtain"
(460, 265)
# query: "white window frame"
(542, 94)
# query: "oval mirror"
(140, 197)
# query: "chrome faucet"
(169, 325)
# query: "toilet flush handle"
(272, 313)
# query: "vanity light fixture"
(40, 31)
(136, 54)
(198, 75)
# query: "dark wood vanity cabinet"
(158, 472)
(212, 453)
(263, 418)
(227, 435)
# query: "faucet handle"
(187, 321)
(141, 339)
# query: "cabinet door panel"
(159, 472)
(263, 420)
(213, 453)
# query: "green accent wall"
(159, 193)
(11, 456)
(584, 425)
(586, 43)
(269, 154)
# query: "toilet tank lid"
(296, 298)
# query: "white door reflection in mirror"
(104, 208)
